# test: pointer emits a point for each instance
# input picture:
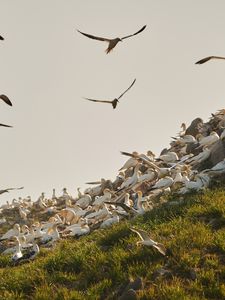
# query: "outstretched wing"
(94, 37)
(94, 182)
(204, 60)
(4, 125)
(142, 234)
(139, 31)
(127, 89)
(6, 99)
(100, 101)
(128, 154)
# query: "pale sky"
(60, 140)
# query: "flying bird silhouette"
(10, 189)
(115, 101)
(204, 60)
(6, 99)
(4, 125)
(112, 42)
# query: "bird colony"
(195, 157)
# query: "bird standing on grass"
(112, 42)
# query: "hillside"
(100, 265)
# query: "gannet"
(131, 180)
(15, 231)
(217, 169)
(51, 235)
(18, 254)
(163, 183)
(100, 200)
(4, 125)
(114, 101)
(202, 156)
(202, 181)
(78, 230)
(149, 176)
(204, 60)
(169, 157)
(208, 140)
(6, 99)
(147, 241)
(131, 162)
(84, 201)
(32, 253)
(113, 219)
(10, 189)
(112, 42)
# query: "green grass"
(98, 266)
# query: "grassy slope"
(98, 266)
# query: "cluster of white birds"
(195, 156)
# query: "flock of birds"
(139, 186)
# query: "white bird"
(218, 169)
(18, 253)
(163, 183)
(15, 231)
(84, 201)
(131, 180)
(147, 241)
(114, 219)
(100, 200)
(202, 156)
(169, 157)
(208, 140)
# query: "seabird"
(147, 241)
(4, 125)
(115, 101)
(112, 42)
(204, 60)
(9, 189)
(6, 99)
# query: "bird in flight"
(115, 101)
(204, 60)
(147, 241)
(10, 189)
(4, 125)
(6, 99)
(112, 42)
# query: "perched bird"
(147, 241)
(6, 99)
(115, 101)
(204, 60)
(112, 42)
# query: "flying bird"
(112, 42)
(6, 99)
(147, 241)
(10, 189)
(204, 60)
(4, 125)
(115, 101)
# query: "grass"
(100, 265)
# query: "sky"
(60, 140)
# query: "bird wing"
(1, 38)
(204, 60)
(100, 101)
(4, 125)
(9, 189)
(142, 234)
(94, 182)
(127, 89)
(94, 37)
(161, 248)
(6, 99)
(128, 154)
(139, 31)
